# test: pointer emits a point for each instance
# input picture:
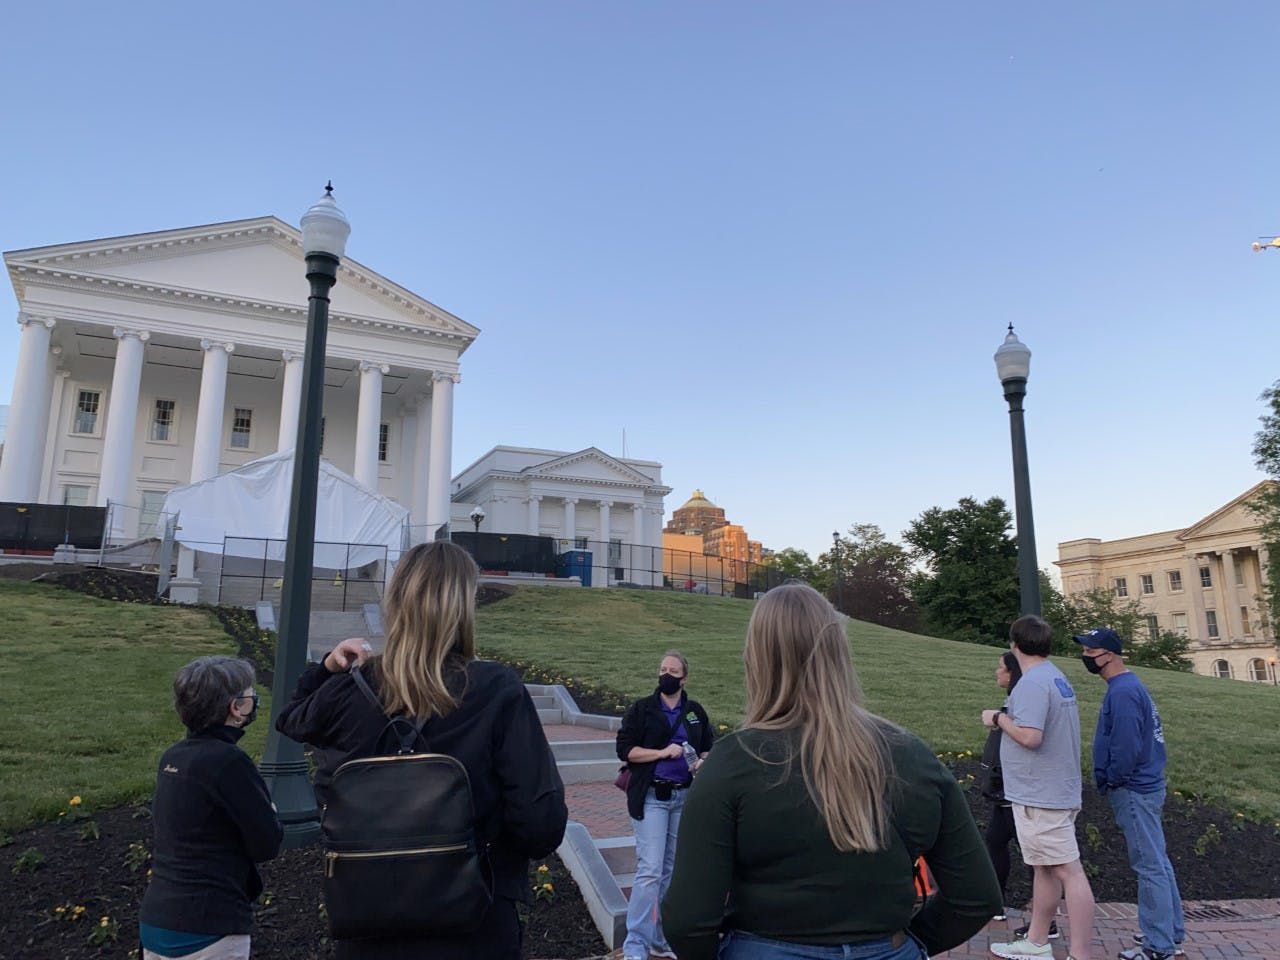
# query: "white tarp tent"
(250, 505)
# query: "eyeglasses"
(250, 696)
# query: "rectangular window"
(75, 495)
(241, 428)
(1239, 572)
(1153, 626)
(86, 420)
(1244, 622)
(1211, 620)
(1148, 584)
(1180, 624)
(580, 543)
(384, 435)
(162, 421)
(1121, 586)
(152, 503)
(1206, 578)
(1175, 581)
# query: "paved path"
(567, 731)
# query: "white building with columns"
(585, 500)
(154, 360)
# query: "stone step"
(545, 702)
(624, 882)
(552, 715)
(587, 771)
(585, 750)
(619, 853)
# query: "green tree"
(869, 576)
(1266, 455)
(790, 563)
(1072, 616)
(968, 587)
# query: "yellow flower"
(59, 909)
(78, 910)
(548, 887)
(104, 921)
(543, 868)
(75, 801)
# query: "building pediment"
(590, 464)
(247, 264)
(1230, 518)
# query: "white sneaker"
(1021, 948)
(664, 952)
(1139, 939)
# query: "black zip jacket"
(213, 821)
(992, 783)
(645, 725)
(495, 733)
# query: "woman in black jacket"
(1000, 830)
(213, 821)
(663, 739)
(479, 713)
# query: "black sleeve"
(533, 808)
(243, 794)
(632, 730)
(708, 733)
(305, 717)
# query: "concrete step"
(554, 715)
(587, 771)
(584, 750)
(624, 882)
(619, 853)
(545, 702)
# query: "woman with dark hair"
(800, 833)
(1000, 829)
(476, 711)
(213, 822)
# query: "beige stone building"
(1204, 582)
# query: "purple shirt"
(675, 770)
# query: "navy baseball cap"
(1104, 638)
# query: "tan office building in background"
(1205, 582)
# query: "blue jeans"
(1159, 904)
(747, 946)
(655, 856)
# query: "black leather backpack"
(402, 857)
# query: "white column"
(290, 399)
(212, 405)
(639, 555)
(440, 467)
(368, 420)
(115, 482)
(570, 520)
(24, 445)
(533, 501)
(601, 560)
(421, 457)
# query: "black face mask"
(1091, 664)
(669, 684)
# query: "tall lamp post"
(835, 560)
(477, 515)
(1013, 363)
(284, 767)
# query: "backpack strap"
(408, 738)
(363, 686)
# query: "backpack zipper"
(331, 857)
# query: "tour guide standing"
(1128, 767)
(652, 741)
(1040, 759)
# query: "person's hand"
(673, 751)
(989, 717)
(350, 652)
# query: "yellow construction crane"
(1266, 243)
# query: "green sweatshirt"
(750, 833)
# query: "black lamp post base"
(295, 800)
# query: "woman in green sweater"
(800, 832)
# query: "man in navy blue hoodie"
(1128, 768)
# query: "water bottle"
(690, 755)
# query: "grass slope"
(1222, 735)
(87, 702)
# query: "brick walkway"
(600, 807)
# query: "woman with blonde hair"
(475, 711)
(800, 833)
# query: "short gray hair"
(684, 664)
(204, 689)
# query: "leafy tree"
(869, 576)
(1266, 455)
(792, 563)
(968, 589)
(1071, 616)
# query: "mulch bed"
(108, 875)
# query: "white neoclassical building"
(584, 500)
(154, 360)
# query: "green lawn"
(87, 701)
(1223, 736)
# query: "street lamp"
(284, 767)
(1013, 363)
(835, 560)
(476, 516)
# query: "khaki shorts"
(1047, 837)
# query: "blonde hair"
(800, 676)
(430, 609)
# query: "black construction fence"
(344, 576)
(42, 527)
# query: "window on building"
(1148, 584)
(1222, 669)
(86, 419)
(75, 495)
(1211, 621)
(1175, 581)
(1206, 578)
(242, 428)
(152, 503)
(1180, 624)
(1153, 626)
(1239, 572)
(580, 543)
(384, 436)
(162, 421)
(1258, 670)
(615, 559)
(1121, 586)
(1245, 626)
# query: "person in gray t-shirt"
(1040, 758)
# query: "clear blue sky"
(777, 243)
